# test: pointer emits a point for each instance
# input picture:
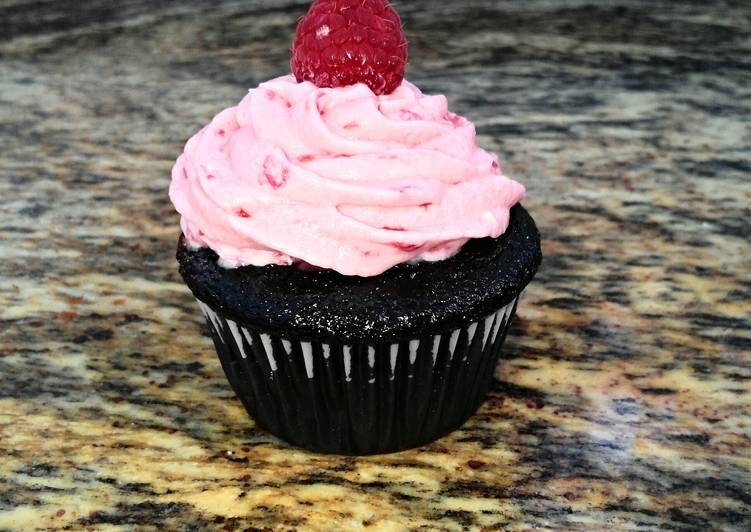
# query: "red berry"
(406, 247)
(275, 173)
(343, 42)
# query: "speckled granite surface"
(625, 398)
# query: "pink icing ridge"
(339, 178)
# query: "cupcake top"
(355, 178)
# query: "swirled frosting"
(339, 178)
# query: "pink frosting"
(339, 178)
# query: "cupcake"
(358, 257)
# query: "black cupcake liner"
(359, 398)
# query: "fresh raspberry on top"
(343, 42)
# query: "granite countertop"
(624, 400)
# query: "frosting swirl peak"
(339, 178)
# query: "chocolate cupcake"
(358, 257)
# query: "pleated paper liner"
(361, 399)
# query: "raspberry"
(275, 173)
(343, 42)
